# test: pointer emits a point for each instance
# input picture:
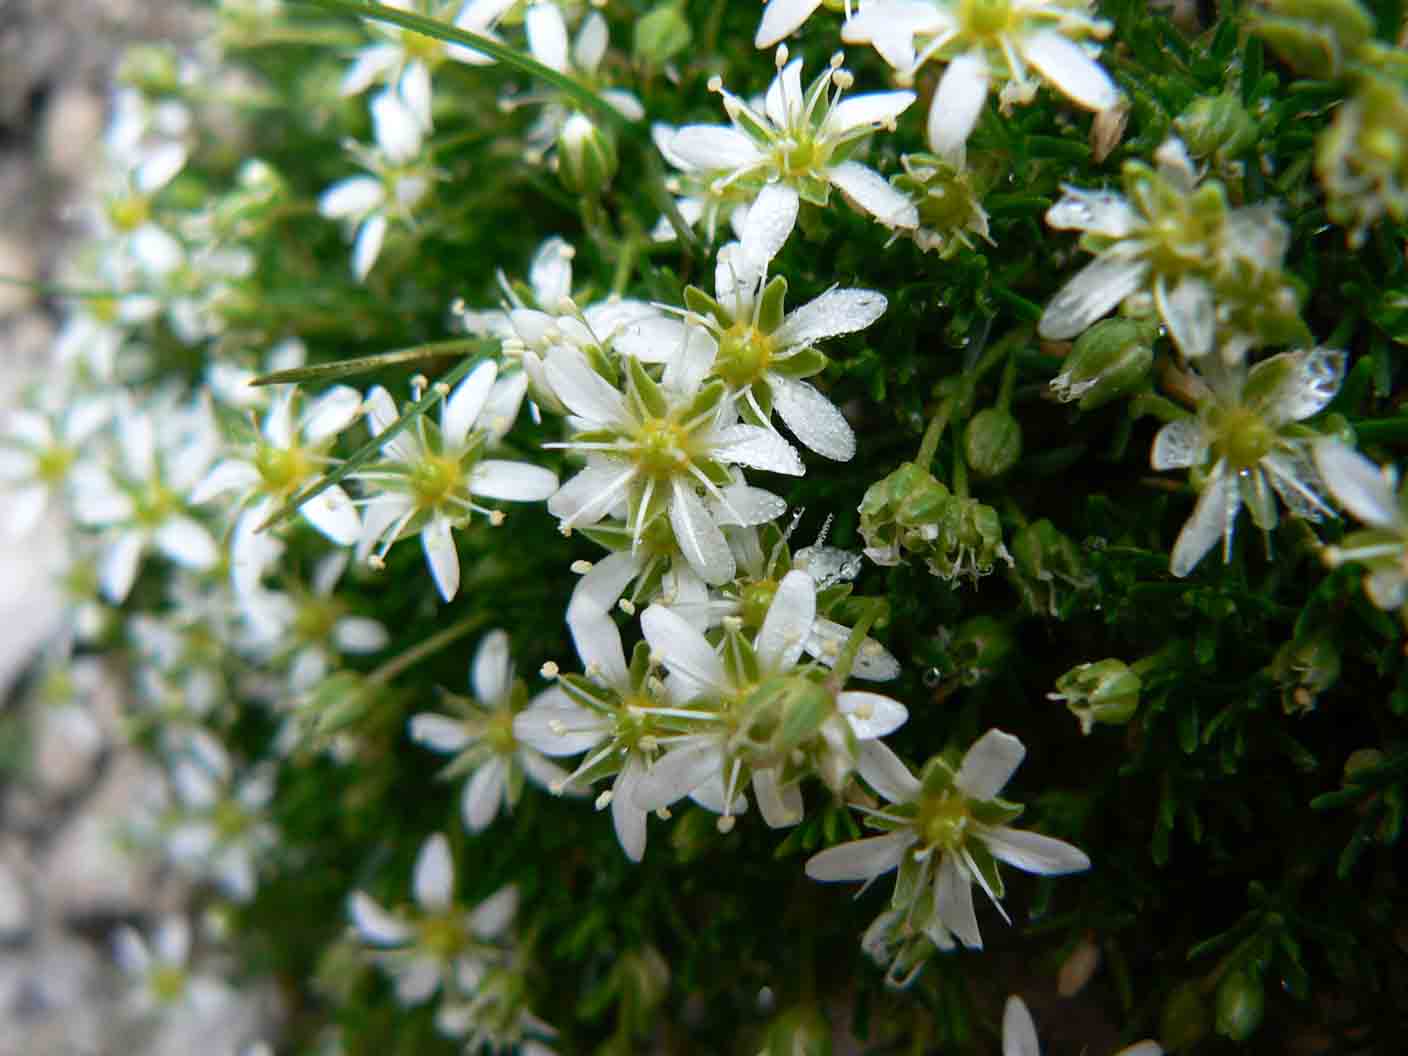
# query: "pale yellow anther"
(581, 567)
(375, 561)
(725, 824)
(497, 517)
(442, 388)
(549, 670)
(604, 800)
(627, 606)
(715, 83)
(558, 727)
(780, 58)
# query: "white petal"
(1066, 65)
(381, 416)
(550, 274)
(989, 764)
(1212, 519)
(156, 250)
(369, 66)
(493, 668)
(782, 18)
(871, 715)
(1018, 1030)
(556, 726)
(187, 543)
(592, 493)
(770, 221)
(1387, 588)
(434, 878)
(686, 370)
(758, 448)
(834, 313)
(681, 648)
(626, 818)
(1034, 853)
(959, 100)
(414, 89)
(375, 924)
(26, 506)
(439, 732)
(1188, 311)
(870, 191)
(871, 110)
(953, 902)
(652, 340)
(677, 773)
(783, 101)
(332, 412)
(233, 475)
(710, 795)
(590, 46)
(701, 540)
(1358, 484)
(599, 590)
(1096, 288)
(172, 942)
(711, 148)
(332, 513)
(352, 199)
(885, 772)
(746, 506)
(780, 805)
(787, 623)
(501, 409)
(598, 642)
(160, 167)
(397, 127)
(1304, 390)
(438, 542)
(1179, 444)
(367, 248)
(1294, 478)
(416, 982)
(512, 481)
(544, 773)
(1142, 1048)
(1102, 212)
(813, 419)
(483, 793)
(860, 859)
(492, 916)
(360, 635)
(130, 951)
(462, 407)
(547, 35)
(584, 392)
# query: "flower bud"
(1240, 1004)
(902, 513)
(1109, 360)
(1106, 691)
(1047, 567)
(992, 443)
(1362, 158)
(1316, 37)
(1185, 1019)
(1305, 669)
(1216, 124)
(586, 156)
(661, 34)
(968, 543)
(949, 202)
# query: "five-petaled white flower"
(982, 40)
(38, 453)
(1372, 495)
(161, 969)
(429, 476)
(801, 138)
(401, 176)
(1246, 434)
(946, 830)
(483, 740)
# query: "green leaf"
(343, 368)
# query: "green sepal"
(937, 778)
(908, 881)
(814, 189)
(710, 395)
(602, 364)
(770, 306)
(987, 865)
(646, 390)
(995, 811)
(640, 663)
(804, 364)
(740, 661)
(717, 472)
(587, 693)
(613, 535)
(700, 303)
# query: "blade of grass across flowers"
(432, 27)
(343, 368)
(364, 454)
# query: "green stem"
(1161, 407)
(393, 667)
(1382, 429)
(960, 473)
(627, 256)
(841, 670)
(1009, 382)
(362, 364)
(937, 424)
(432, 27)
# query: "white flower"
(141, 502)
(982, 41)
(944, 832)
(440, 945)
(580, 59)
(1019, 1034)
(1247, 430)
(289, 451)
(483, 740)
(657, 446)
(38, 453)
(162, 973)
(429, 477)
(600, 714)
(802, 138)
(1372, 495)
(755, 713)
(401, 177)
(1179, 241)
(407, 59)
(762, 355)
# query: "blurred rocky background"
(67, 784)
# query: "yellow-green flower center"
(444, 936)
(230, 820)
(985, 19)
(943, 821)
(434, 479)
(662, 448)
(155, 504)
(744, 355)
(316, 618)
(1243, 437)
(129, 212)
(282, 469)
(52, 465)
(167, 983)
(498, 733)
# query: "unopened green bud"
(586, 156)
(1186, 1018)
(1317, 37)
(1047, 565)
(1216, 124)
(661, 34)
(151, 68)
(1240, 1004)
(1362, 158)
(1109, 360)
(992, 442)
(948, 200)
(1361, 759)
(902, 513)
(1305, 669)
(1105, 691)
